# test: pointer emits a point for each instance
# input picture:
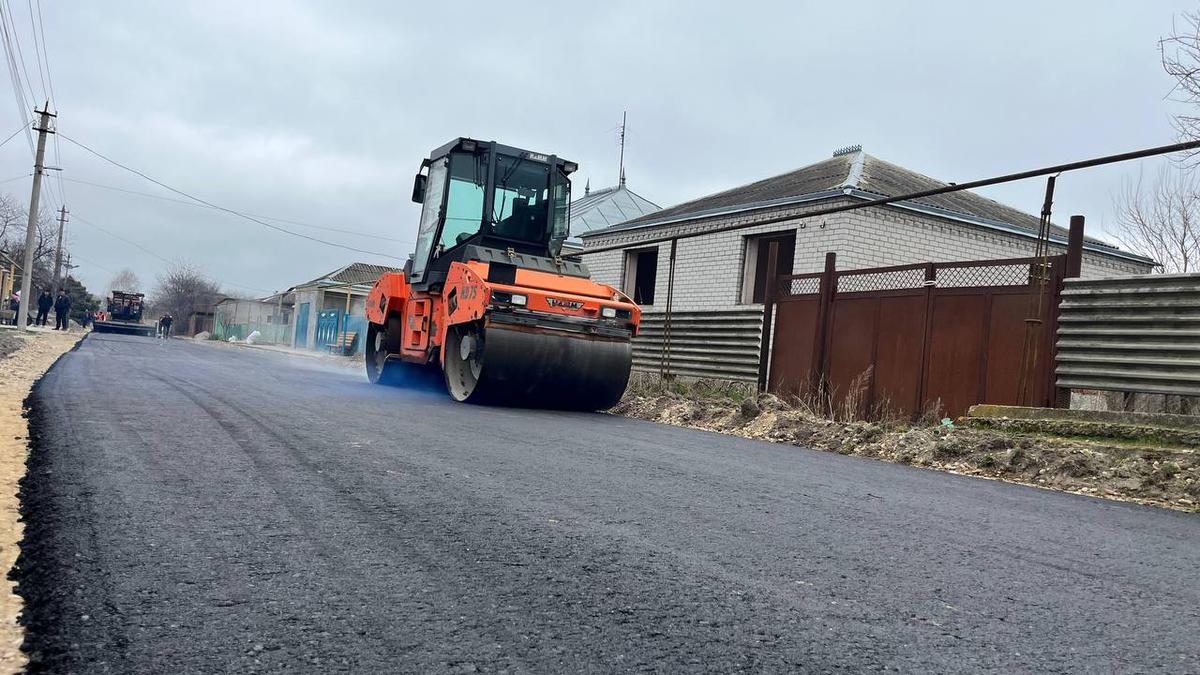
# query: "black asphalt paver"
(195, 508)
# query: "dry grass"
(1116, 470)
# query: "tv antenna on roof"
(621, 165)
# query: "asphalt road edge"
(14, 504)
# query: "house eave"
(862, 195)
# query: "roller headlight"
(518, 300)
(608, 312)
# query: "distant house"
(270, 317)
(727, 269)
(326, 307)
(603, 208)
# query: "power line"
(92, 263)
(14, 135)
(15, 75)
(85, 221)
(41, 28)
(203, 206)
(114, 235)
(20, 54)
(222, 208)
(37, 50)
(45, 52)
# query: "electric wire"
(20, 53)
(45, 54)
(203, 206)
(85, 221)
(222, 208)
(14, 75)
(12, 136)
(37, 51)
(41, 30)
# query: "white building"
(725, 270)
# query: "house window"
(641, 271)
(754, 276)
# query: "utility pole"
(43, 128)
(62, 225)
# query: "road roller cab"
(488, 299)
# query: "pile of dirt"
(1162, 476)
(9, 343)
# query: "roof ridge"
(655, 205)
(744, 186)
(854, 175)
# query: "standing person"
(164, 326)
(62, 310)
(45, 302)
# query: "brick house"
(726, 270)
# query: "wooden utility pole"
(43, 128)
(62, 225)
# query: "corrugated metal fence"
(1135, 334)
(720, 344)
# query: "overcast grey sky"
(320, 112)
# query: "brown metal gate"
(905, 339)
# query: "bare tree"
(1180, 54)
(1161, 219)
(13, 221)
(125, 280)
(183, 290)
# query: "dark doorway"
(762, 248)
(641, 273)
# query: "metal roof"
(854, 173)
(599, 209)
(354, 273)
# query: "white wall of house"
(710, 270)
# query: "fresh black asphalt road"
(201, 508)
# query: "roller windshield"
(521, 202)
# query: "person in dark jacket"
(45, 302)
(164, 326)
(62, 311)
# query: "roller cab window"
(464, 200)
(431, 210)
(521, 200)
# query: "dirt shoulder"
(23, 359)
(1159, 475)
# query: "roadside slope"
(23, 359)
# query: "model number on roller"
(564, 304)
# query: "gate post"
(764, 350)
(824, 310)
(1074, 248)
(926, 337)
(1071, 268)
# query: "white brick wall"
(708, 270)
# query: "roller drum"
(536, 367)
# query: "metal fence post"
(1074, 259)
(764, 354)
(926, 337)
(1071, 268)
(825, 298)
(665, 368)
